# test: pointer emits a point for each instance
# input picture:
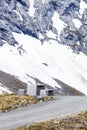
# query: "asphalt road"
(62, 106)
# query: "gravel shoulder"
(62, 106)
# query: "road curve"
(62, 106)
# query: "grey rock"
(85, 1)
(84, 17)
(14, 17)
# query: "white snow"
(43, 1)
(77, 23)
(3, 89)
(50, 34)
(18, 15)
(40, 36)
(58, 23)
(31, 8)
(62, 63)
(83, 5)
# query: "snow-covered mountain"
(44, 41)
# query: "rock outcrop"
(15, 17)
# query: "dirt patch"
(67, 90)
(11, 82)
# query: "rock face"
(15, 17)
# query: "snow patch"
(43, 1)
(4, 89)
(77, 23)
(41, 36)
(50, 34)
(31, 9)
(18, 15)
(58, 23)
(83, 5)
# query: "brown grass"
(76, 122)
(10, 102)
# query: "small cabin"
(50, 92)
(21, 92)
(43, 93)
(39, 88)
(31, 90)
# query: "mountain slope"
(32, 35)
(45, 62)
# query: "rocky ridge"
(15, 17)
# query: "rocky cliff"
(15, 17)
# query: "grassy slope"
(10, 102)
(76, 122)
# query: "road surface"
(62, 106)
